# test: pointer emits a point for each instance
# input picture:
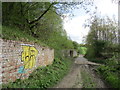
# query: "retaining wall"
(19, 59)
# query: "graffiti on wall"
(29, 54)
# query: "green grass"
(44, 77)
(109, 75)
(82, 50)
(111, 72)
(87, 80)
(18, 35)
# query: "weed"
(43, 77)
(87, 80)
(110, 73)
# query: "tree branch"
(57, 13)
(28, 8)
(42, 14)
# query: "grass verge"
(109, 75)
(111, 72)
(87, 80)
(44, 77)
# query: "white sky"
(74, 27)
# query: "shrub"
(110, 73)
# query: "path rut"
(82, 75)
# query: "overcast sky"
(74, 27)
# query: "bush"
(95, 49)
(110, 72)
(98, 60)
(82, 50)
(113, 80)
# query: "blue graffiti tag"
(21, 69)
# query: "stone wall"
(69, 52)
(19, 59)
(75, 53)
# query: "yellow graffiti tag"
(29, 56)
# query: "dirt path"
(81, 75)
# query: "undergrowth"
(111, 72)
(97, 60)
(44, 77)
(87, 80)
(10, 33)
(82, 50)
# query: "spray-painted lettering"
(28, 57)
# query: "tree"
(102, 37)
(27, 15)
(75, 44)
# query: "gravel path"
(81, 75)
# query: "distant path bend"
(84, 61)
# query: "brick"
(1, 58)
(30, 71)
(11, 58)
(12, 78)
(4, 80)
(13, 70)
(17, 66)
(5, 75)
(9, 69)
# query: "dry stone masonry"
(19, 59)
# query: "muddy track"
(82, 75)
